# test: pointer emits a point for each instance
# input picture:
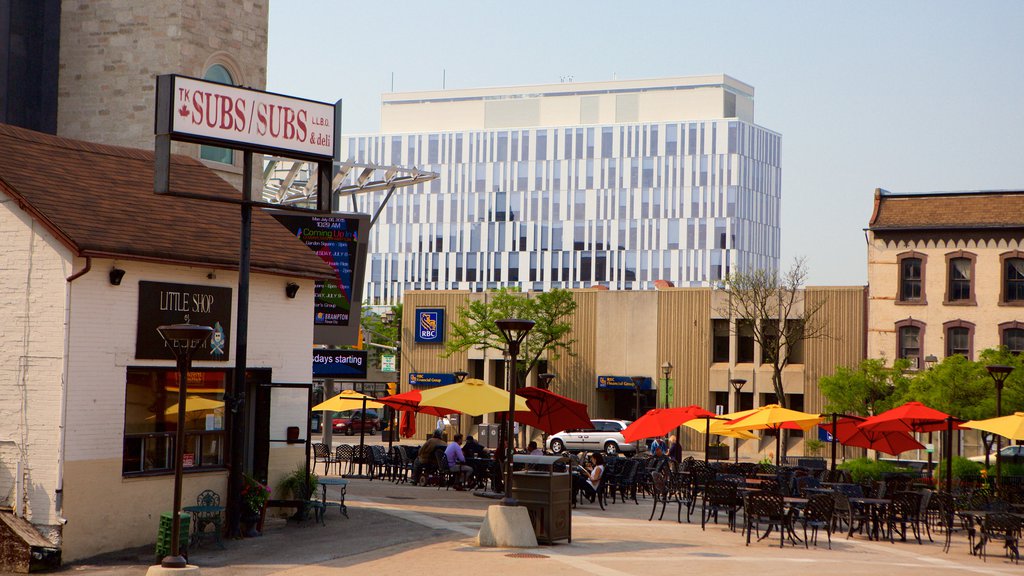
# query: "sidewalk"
(408, 530)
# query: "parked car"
(605, 435)
(355, 422)
(1011, 455)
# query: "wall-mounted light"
(291, 289)
(212, 275)
(116, 274)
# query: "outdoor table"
(975, 518)
(200, 512)
(342, 484)
(483, 470)
(875, 508)
(819, 491)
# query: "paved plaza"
(410, 530)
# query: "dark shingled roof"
(99, 201)
(948, 211)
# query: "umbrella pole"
(778, 444)
(362, 436)
(391, 427)
(834, 441)
(707, 434)
(949, 455)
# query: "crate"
(163, 537)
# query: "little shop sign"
(208, 113)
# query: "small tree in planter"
(813, 446)
(301, 488)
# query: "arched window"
(959, 338)
(959, 279)
(910, 289)
(221, 75)
(1011, 335)
(1012, 289)
(909, 341)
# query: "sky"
(909, 96)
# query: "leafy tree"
(550, 337)
(956, 386)
(767, 302)
(376, 329)
(870, 388)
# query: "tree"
(383, 329)
(870, 388)
(774, 309)
(551, 311)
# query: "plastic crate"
(163, 537)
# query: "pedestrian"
(657, 447)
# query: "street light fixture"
(999, 373)
(666, 370)
(183, 340)
(460, 375)
(737, 385)
(544, 380)
(637, 382)
(514, 331)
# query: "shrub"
(864, 469)
(1007, 469)
(292, 484)
(962, 468)
(813, 446)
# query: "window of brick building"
(1011, 335)
(720, 351)
(1012, 288)
(744, 342)
(911, 280)
(909, 341)
(959, 278)
(959, 338)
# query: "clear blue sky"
(907, 96)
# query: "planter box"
(718, 452)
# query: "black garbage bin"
(546, 494)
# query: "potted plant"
(300, 488)
(254, 504)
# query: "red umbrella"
(660, 421)
(408, 426)
(552, 412)
(849, 434)
(910, 417)
(410, 402)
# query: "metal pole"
(513, 383)
(176, 559)
(707, 434)
(834, 441)
(999, 440)
(949, 455)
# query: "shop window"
(744, 342)
(911, 281)
(959, 338)
(720, 351)
(1012, 288)
(959, 275)
(909, 337)
(219, 74)
(151, 420)
(1011, 335)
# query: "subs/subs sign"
(430, 325)
(209, 112)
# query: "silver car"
(606, 435)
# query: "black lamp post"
(183, 340)
(460, 376)
(666, 370)
(544, 380)
(930, 361)
(999, 373)
(737, 385)
(514, 331)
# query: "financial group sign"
(430, 325)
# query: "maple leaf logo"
(183, 111)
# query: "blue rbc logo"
(430, 325)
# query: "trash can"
(489, 435)
(546, 494)
(163, 537)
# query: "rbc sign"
(430, 325)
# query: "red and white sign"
(252, 118)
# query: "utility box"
(23, 549)
(546, 494)
(489, 435)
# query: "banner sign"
(424, 379)
(430, 325)
(163, 303)
(339, 364)
(825, 434)
(623, 383)
(340, 242)
(210, 112)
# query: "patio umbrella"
(196, 404)
(848, 433)
(347, 400)
(552, 412)
(1011, 426)
(659, 421)
(715, 426)
(774, 417)
(916, 417)
(410, 402)
(471, 396)
(408, 426)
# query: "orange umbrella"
(660, 421)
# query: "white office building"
(573, 185)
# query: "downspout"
(59, 494)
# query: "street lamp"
(666, 369)
(737, 385)
(637, 382)
(460, 375)
(514, 331)
(544, 380)
(999, 373)
(183, 340)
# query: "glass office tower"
(616, 184)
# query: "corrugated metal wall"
(576, 376)
(684, 325)
(844, 313)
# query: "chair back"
(764, 505)
(820, 508)
(344, 453)
(849, 490)
(321, 451)
(208, 498)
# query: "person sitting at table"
(589, 483)
(426, 455)
(474, 449)
(533, 450)
(656, 445)
(457, 461)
